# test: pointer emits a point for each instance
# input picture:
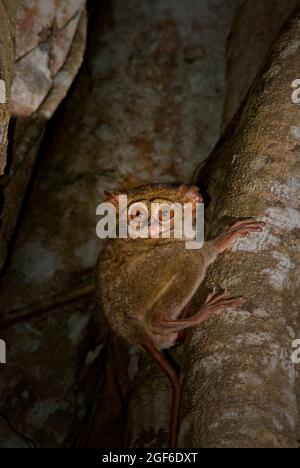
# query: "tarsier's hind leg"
(171, 373)
(215, 302)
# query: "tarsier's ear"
(191, 194)
(112, 197)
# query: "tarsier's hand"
(242, 228)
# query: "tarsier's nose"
(153, 227)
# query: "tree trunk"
(7, 54)
(254, 28)
(239, 379)
(50, 44)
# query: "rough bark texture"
(157, 60)
(149, 407)
(35, 400)
(29, 92)
(256, 23)
(255, 26)
(7, 54)
(44, 35)
(239, 379)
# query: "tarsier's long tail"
(171, 373)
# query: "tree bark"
(255, 25)
(37, 90)
(7, 54)
(149, 406)
(239, 379)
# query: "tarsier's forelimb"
(242, 228)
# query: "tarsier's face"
(156, 208)
(156, 215)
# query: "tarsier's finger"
(220, 296)
(247, 225)
(239, 223)
(230, 302)
(248, 229)
(244, 234)
(210, 295)
(217, 296)
(255, 226)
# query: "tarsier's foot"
(217, 301)
(242, 228)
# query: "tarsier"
(144, 284)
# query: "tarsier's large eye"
(166, 214)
